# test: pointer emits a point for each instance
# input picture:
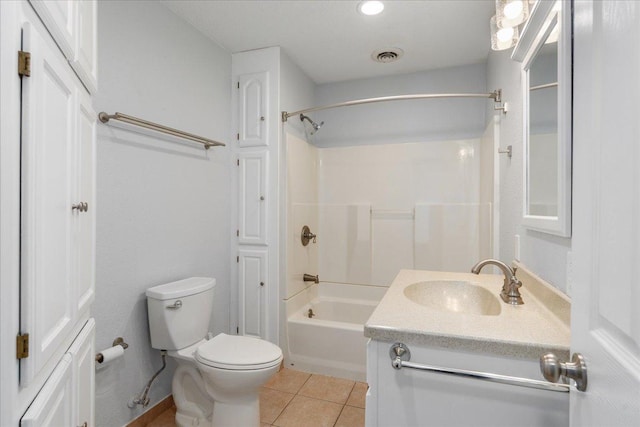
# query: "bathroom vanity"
(456, 321)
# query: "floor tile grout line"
(285, 407)
(341, 410)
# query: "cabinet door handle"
(81, 207)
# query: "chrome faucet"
(510, 290)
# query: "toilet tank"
(179, 312)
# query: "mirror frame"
(544, 15)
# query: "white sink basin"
(454, 296)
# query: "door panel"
(253, 114)
(253, 198)
(83, 373)
(86, 53)
(606, 244)
(59, 17)
(84, 241)
(53, 405)
(252, 274)
(47, 175)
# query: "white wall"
(403, 121)
(163, 207)
(297, 91)
(543, 253)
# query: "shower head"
(315, 125)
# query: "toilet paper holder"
(118, 341)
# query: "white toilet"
(218, 380)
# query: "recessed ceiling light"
(370, 7)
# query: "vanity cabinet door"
(252, 221)
(252, 277)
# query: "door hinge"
(22, 346)
(24, 63)
(238, 258)
(238, 85)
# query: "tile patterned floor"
(294, 398)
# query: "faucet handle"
(511, 295)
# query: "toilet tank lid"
(181, 288)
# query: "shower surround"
(376, 209)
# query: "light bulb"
(371, 7)
(511, 13)
(502, 38)
(505, 34)
(513, 9)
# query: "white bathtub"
(332, 342)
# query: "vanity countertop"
(527, 331)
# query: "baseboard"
(153, 413)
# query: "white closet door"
(49, 107)
(252, 274)
(53, 406)
(60, 18)
(253, 198)
(252, 101)
(83, 352)
(84, 221)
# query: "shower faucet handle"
(307, 235)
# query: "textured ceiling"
(332, 42)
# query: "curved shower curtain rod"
(496, 95)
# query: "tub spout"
(311, 278)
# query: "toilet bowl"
(217, 381)
(234, 368)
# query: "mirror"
(545, 52)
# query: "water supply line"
(143, 399)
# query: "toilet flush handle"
(176, 305)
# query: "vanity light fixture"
(504, 25)
(370, 7)
(502, 38)
(511, 13)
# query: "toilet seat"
(235, 352)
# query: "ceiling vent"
(387, 55)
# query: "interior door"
(606, 243)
